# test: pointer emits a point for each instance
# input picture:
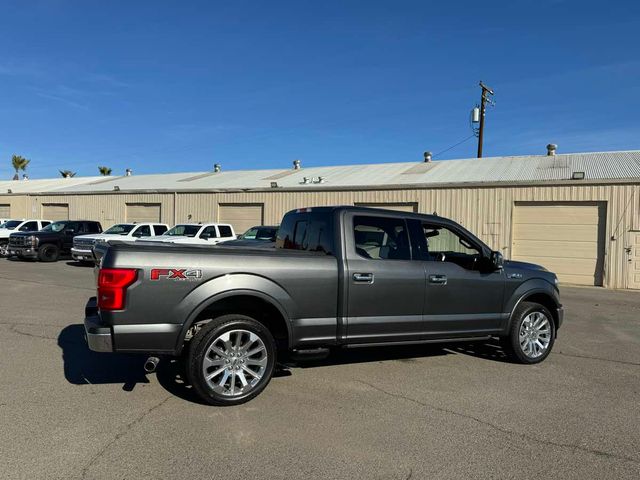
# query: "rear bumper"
(26, 252)
(147, 337)
(81, 254)
(98, 335)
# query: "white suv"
(83, 244)
(13, 226)
(196, 234)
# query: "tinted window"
(159, 229)
(29, 227)
(55, 226)
(225, 231)
(183, 230)
(381, 238)
(143, 231)
(44, 224)
(120, 229)
(211, 231)
(93, 227)
(260, 233)
(11, 224)
(306, 231)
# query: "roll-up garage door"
(55, 211)
(568, 239)
(5, 210)
(143, 212)
(400, 207)
(241, 216)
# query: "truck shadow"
(82, 366)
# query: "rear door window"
(225, 231)
(159, 229)
(381, 238)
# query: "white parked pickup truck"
(83, 244)
(12, 226)
(196, 234)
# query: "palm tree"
(104, 171)
(19, 163)
(67, 173)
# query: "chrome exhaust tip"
(151, 364)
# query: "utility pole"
(484, 99)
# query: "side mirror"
(205, 236)
(497, 260)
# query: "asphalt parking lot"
(453, 411)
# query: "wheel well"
(257, 308)
(546, 301)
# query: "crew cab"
(82, 249)
(337, 277)
(52, 241)
(11, 226)
(196, 234)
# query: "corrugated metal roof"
(522, 169)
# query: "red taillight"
(112, 286)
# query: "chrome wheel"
(234, 363)
(4, 249)
(535, 334)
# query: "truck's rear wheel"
(532, 334)
(48, 253)
(231, 360)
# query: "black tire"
(48, 253)
(511, 343)
(4, 249)
(205, 338)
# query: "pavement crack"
(506, 431)
(14, 329)
(575, 355)
(119, 435)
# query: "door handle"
(438, 279)
(363, 277)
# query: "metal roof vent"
(306, 180)
(25, 177)
(128, 172)
(296, 164)
(427, 157)
(217, 167)
(320, 180)
(551, 149)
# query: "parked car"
(338, 277)
(52, 241)
(10, 226)
(196, 234)
(83, 244)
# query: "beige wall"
(485, 211)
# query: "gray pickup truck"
(336, 277)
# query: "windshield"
(55, 227)
(11, 224)
(121, 229)
(260, 233)
(183, 231)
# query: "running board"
(310, 354)
(417, 342)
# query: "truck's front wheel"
(231, 360)
(48, 253)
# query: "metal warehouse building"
(577, 214)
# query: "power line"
(455, 145)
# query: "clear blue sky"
(163, 86)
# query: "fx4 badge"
(175, 274)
